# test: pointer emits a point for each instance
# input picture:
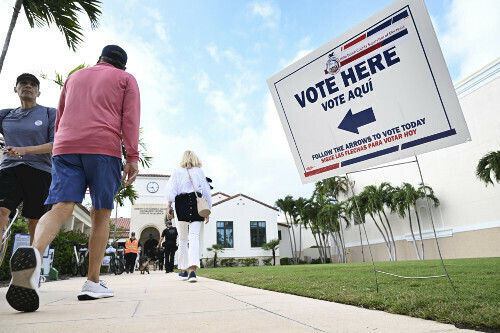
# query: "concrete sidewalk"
(159, 301)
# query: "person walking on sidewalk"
(180, 189)
(99, 108)
(170, 245)
(132, 248)
(28, 133)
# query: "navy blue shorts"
(73, 173)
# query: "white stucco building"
(240, 223)
(468, 219)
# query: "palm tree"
(64, 14)
(404, 197)
(285, 205)
(373, 200)
(333, 214)
(310, 219)
(386, 191)
(272, 245)
(489, 164)
(355, 209)
(300, 206)
(215, 248)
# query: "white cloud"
(300, 54)
(203, 81)
(229, 104)
(160, 31)
(304, 42)
(212, 50)
(469, 34)
(268, 12)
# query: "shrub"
(209, 262)
(284, 261)
(18, 227)
(228, 262)
(318, 261)
(267, 261)
(62, 250)
(249, 262)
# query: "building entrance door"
(149, 240)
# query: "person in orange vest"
(132, 248)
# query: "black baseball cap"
(133, 233)
(116, 53)
(169, 222)
(28, 76)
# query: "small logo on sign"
(38, 123)
(332, 64)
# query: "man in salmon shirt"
(99, 108)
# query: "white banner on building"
(379, 92)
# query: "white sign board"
(379, 92)
(24, 240)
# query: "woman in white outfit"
(180, 189)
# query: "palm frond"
(64, 14)
(488, 166)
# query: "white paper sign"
(379, 92)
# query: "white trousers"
(189, 232)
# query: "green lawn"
(475, 304)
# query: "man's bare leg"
(50, 223)
(31, 229)
(98, 239)
(4, 218)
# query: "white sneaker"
(25, 267)
(92, 290)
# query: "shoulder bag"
(201, 203)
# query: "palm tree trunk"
(320, 250)
(382, 233)
(392, 236)
(343, 241)
(290, 236)
(413, 235)
(342, 246)
(328, 247)
(386, 232)
(294, 244)
(339, 255)
(325, 245)
(361, 240)
(17, 9)
(300, 239)
(420, 232)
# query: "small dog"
(144, 264)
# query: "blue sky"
(202, 68)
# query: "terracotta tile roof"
(122, 222)
(245, 196)
(221, 193)
(152, 175)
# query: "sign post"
(377, 93)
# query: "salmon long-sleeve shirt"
(99, 107)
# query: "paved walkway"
(147, 303)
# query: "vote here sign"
(379, 92)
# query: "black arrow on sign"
(351, 122)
